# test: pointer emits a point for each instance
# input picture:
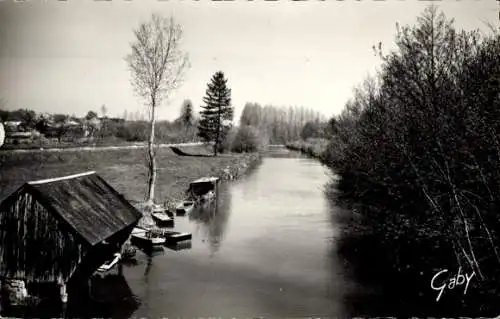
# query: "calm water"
(268, 249)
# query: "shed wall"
(34, 244)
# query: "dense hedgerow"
(420, 143)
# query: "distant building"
(15, 137)
(73, 123)
(12, 126)
(19, 135)
(61, 230)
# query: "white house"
(12, 125)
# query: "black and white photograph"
(249, 159)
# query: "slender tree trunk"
(151, 156)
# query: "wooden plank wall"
(34, 244)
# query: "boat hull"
(141, 236)
(176, 237)
(162, 219)
(184, 208)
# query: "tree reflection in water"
(150, 253)
(214, 217)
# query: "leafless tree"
(157, 65)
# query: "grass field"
(123, 169)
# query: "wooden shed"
(59, 229)
(202, 186)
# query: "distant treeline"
(259, 126)
(72, 129)
(418, 146)
(283, 124)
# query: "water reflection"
(150, 253)
(184, 245)
(104, 297)
(278, 259)
(214, 217)
(405, 292)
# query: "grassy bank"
(124, 169)
(314, 147)
(98, 142)
(67, 144)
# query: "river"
(267, 249)
(271, 247)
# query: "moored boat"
(184, 207)
(110, 263)
(162, 219)
(162, 209)
(144, 236)
(161, 216)
(173, 237)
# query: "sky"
(68, 56)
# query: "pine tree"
(216, 112)
(187, 116)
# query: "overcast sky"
(68, 57)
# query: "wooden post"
(64, 295)
(62, 291)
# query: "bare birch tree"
(157, 65)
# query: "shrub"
(227, 142)
(247, 139)
(312, 130)
(134, 131)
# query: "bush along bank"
(426, 160)
(239, 167)
(314, 147)
(230, 167)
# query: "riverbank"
(314, 147)
(124, 169)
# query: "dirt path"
(95, 148)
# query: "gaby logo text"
(440, 282)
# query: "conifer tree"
(217, 112)
(187, 116)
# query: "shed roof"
(210, 179)
(87, 203)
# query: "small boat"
(185, 207)
(138, 230)
(110, 263)
(148, 237)
(173, 237)
(162, 209)
(162, 219)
